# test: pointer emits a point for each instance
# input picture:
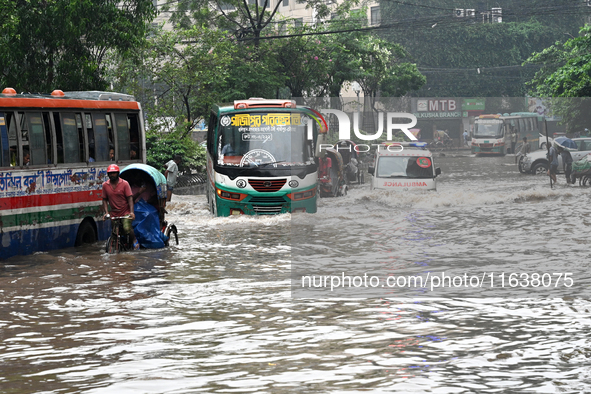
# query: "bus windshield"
(488, 128)
(416, 167)
(263, 138)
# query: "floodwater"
(216, 312)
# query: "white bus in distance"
(404, 166)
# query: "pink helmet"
(113, 168)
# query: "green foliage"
(253, 74)
(320, 65)
(566, 68)
(162, 147)
(181, 73)
(306, 63)
(465, 57)
(565, 75)
(378, 66)
(61, 44)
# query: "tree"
(380, 68)
(566, 75)
(254, 73)
(471, 56)
(62, 43)
(321, 64)
(185, 70)
(566, 68)
(161, 148)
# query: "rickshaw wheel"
(171, 230)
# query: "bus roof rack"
(98, 95)
(258, 102)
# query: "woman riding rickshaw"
(148, 186)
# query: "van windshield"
(416, 167)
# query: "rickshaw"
(349, 151)
(331, 177)
(148, 186)
(581, 170)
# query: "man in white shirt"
(172, 171)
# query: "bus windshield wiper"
(270, 163)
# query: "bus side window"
(101, 137)
(213, 120)
(48, 137)
(24, 135)
(134, 135)
(59, 140)
(37, 147)
(110, 131)
(11, 121)
(90, 131)
(4, 144)
(71, 138)
(122, 136)
(82, 137)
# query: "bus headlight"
(229, 195)
(302, 195)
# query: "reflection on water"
(215, 313)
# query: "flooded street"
(216, 313)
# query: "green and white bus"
(492, 133)
(261, 157)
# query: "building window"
(298, 22)
(285, 3)
(375, 15)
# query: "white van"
(404, 166)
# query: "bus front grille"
(267, 185)
(267, 200)
(261, 210)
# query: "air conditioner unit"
(459, 12)
(497, 15)
(471, 13)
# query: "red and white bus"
(54, 151)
